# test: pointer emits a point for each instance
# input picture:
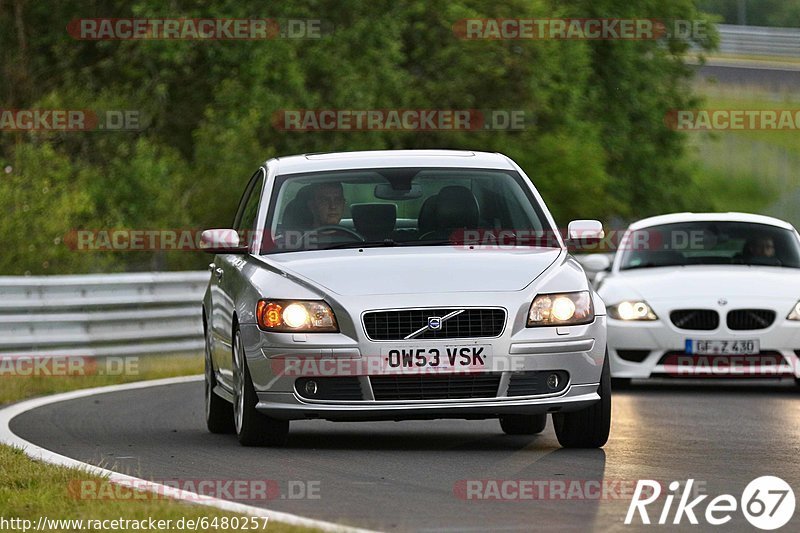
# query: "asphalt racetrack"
(414, 476)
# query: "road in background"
(771, 77)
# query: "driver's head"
(326, 203)
(761, 247)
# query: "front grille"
(397, 325)
(699, 319)
(530, 383)
(742, 319)
(442, 387)
(766, 357)
(330, 388)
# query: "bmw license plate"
(430, 358)
(715, 347)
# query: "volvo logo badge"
(435, 322)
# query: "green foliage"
(595, 143)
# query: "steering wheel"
(333, 229)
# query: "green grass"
(746, 170)
(15, 388)
(734, 193)
(30, 489)
(722, 97)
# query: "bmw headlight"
(795, 312)
(632, 310)
(290, 316)
(561, 309)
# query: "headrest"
(374, 221)
(297, 213)
(456, 207)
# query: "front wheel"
(219, 413)
(523, 424)
(589, 427)
(252, 427)
(620, 383)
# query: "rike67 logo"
(767, 503)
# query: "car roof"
(709, 217)
(391, 159)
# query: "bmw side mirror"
(595, 262)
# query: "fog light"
(311, 388)
(552, 381)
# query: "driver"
(326, 203)
(760, 247)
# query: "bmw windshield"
(710, 243)
(403, 207)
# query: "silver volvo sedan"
(397, 285)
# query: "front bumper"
(578, 351)
(657, 349)
(291, 406)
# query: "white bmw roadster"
(705, 296)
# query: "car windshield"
(710, 243)
(403, 207)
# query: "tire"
(523, 424)
(252, 427)
(218, 411)
(620, 383)
(589, 427)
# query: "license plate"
(737, 347)
(433, 358)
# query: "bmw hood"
(712, 281)
(411, 270)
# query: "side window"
(248, 206)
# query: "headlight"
(632, 310)
(289, 316)
(561, 309)
(795, 313)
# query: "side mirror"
(595, 262)
(221, 241)
(585, 230)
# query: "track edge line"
(37, 453)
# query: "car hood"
(415, 269)
(732, 280)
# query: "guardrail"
(101, 315)
(759, 41)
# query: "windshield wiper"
(388, 243)
(441, 242)
(651, 265)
